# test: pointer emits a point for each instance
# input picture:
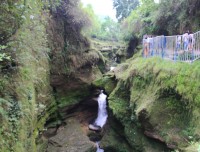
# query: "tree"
(140, 21)
(164, 18)
(110, 29)
(103, 29)
(124, 7)
(180, 16)
(95, 25)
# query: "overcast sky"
(102, 7)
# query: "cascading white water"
(98, 148)
(102, 111)
(112, 68)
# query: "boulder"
(70, 138)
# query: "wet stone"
(70, 138)
(94, 127)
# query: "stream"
(102, 115)
(102, 111)
(98, 148)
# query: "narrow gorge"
(70, 83)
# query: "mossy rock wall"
(51, 70)
(156, 101)
(25, 88)
(74, 65)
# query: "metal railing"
(178, 47)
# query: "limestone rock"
(70, 138)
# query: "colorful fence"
(178, 47)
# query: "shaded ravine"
(87, 128)
(74, 135)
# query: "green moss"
(73, 97)
(27, 87)
(67, 100)
(142, 143)
(114, 140)
(101, 66)
(166, 75)
(107, 82)
(167, 91)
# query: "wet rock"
(94, 127)
(97, 92)
(50, 132)
(113, 139)
(94, 136)
(92, 103)
(70, 138)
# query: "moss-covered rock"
(156, 99)
(28, 99)
(27, 88)
(114, 139)
(107, 82)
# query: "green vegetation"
(124, 8)
(115, 137)
(73, 97)
(44, 45)
(26, 95)
(159, 96)
(25, 89)
(107, 83)
(11, 18)
(12, 14)
(151, 18)
(103, 29)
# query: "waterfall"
(98, 148)
(102, 111)
(101, 118)
(112, 68)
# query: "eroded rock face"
(73, 134)
(73, 65)
(70, 138)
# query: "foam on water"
(102, 111)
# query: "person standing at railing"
(148, 45)
(151, 45)
(145, 44)
(178, 42)
(185, 41)
(190, 42)
(163, 45)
